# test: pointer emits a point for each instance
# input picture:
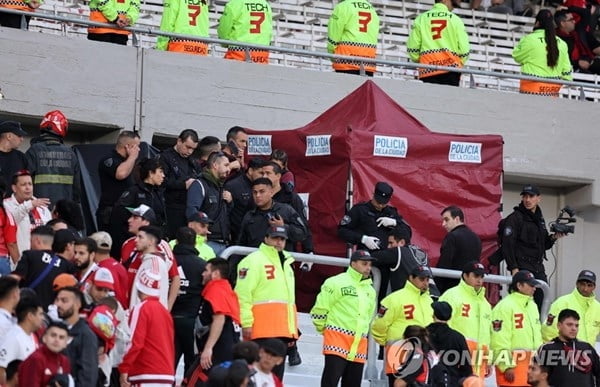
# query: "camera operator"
(525, 238)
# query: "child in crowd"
(271, 354)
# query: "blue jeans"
(5, 266)
(217, 247)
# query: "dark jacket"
(241, 191)
(288, 196)
(460, 246)
(443, 339)
(188, 301)
(206, 195)
(55, 169)
(525, 240)
(571, 363)
(177, 170)
(82, 352)
(399, 261)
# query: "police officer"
(583, 301)
(516, 331)
(187, 17)
(11, 158)
(115, 176)
(342, 314)
(352, 30)
(525, 238)
(369, 224)
(438, 37)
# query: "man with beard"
(83, 258)
(82, 350)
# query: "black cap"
(530, 189)
(64, 236)
(474, 267)
(200, 217)
(362, 255)
(422, 271)
(587, 275)
(275, 347)
(383, 192)
(12, 127)
(143, 211)
(525, 276)
(442, 310)
(278, 231)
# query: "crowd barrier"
(371, 371)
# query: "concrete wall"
(549, 141)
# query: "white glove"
(372, 243)
(386, 222)
(306, 266)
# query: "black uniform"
(241, 192)
(460, 246)
(186, 306)
(571, 363)
(206, 195)
(399, 261)
(33, 263)
(10, 163)
(177, 170)
(525, 240)
(362, 220)
(443, 339)
(111, 188)
(288, 196)
(138, 194)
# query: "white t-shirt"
(27, 218)
(7, 321)
(17, 345)
(262, 379)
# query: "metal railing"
(371, 372)
(580, 86)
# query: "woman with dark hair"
(70, 212)
(542, 54)
(280, 157)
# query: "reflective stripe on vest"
(187, 47)
(257, 56)
(15, 4)
(344, 343)
(354, 49)
(53, 179)
(539, 88)
(97, 16)
(438, 57)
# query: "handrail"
(317, 54)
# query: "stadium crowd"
(123, 305)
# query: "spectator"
(460, 246)
(185, 18)
(70, 212)
(537, 374)
(115, 173)
(269, 213)
(9, 251)
(147, 192)
(582, 45)
(104, 324)
(12, 373)
(287, 177)
(47, 361)
(186, 306)
(438, 37)
(207, 194)
(271, 355)
(180, 173)
(104, 260)
(199, 223)
(14, 21)
(63, 245)
(237, 141)
(20, 341)
(84, 260)
(100, 285)
(123, 13)
(353, 30)
(220, 312)
(149, 358)
(241, 194)
(542, 54)
(58, 224)
(511, 7)
(53, 165)
(28, 211)
(82, 349)
(9, 299)
(397, 261)
(39, 266)
(247, 25)
(11, 137)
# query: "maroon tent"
(366, 138)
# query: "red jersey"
(41, 366)
(9, 231)
(120, 277)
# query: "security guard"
(247, 21)
(187, 17)
(516, 331)
(265, 289)
(123, 13)
(583, 301)
(14, 21)
(473, 314)
(342, 313)
(438, 37)
(410, 305)
(352, 31)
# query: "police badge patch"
(108, 162)
(497, 325)
(242, 273)
(381, 311)
(508, 231)
(550, 319)
(346, 220)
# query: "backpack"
(496, 256)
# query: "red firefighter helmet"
(55, 122)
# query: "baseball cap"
(525, 276)
(143, 211)
(421, 271)
(587, 275)
(103, 278)
(277, 231)
(274, 347)
(64, 236)
(12, 127)
(63, 280)
(103, 240)
(200, 217)
(530, 189)
(474, 267)
(362, 255)
(383, 192)
(442, 310)
(148, 282)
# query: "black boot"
(294, 356)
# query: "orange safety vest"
(338, 341)
(442, 57)
(522, 358)
(97, 16)
(539, 88)
(271, 320)
(15, 4)
(239, 53)
(479, 357)
(354, 49)
(187, 47)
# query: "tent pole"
(349, 200)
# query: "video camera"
(562, 224)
